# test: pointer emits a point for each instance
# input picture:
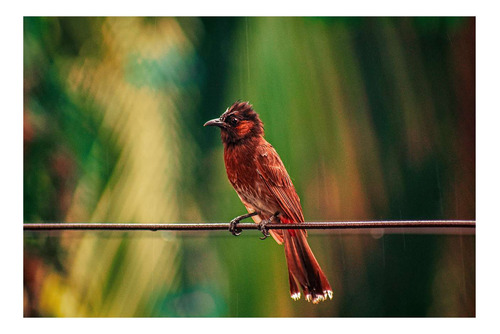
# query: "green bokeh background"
(374, 119)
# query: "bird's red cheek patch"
(244, 128)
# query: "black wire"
(394, 224)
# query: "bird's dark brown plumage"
(260, 179)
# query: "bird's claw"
(233, 228)
(233, 223)
(263, 225)
(264, 229)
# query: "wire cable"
(392, 224)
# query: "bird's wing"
(273, 173)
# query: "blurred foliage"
(373, 117)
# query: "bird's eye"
(233, 121)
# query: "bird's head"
(238, 123)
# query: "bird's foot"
(233, 224)
(233, 228)
(263, 226)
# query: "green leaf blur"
(374, 119)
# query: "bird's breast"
(242, 173)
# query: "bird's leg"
(264, 222)
(232, 224)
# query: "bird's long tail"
(303, 268)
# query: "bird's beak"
(215, 122)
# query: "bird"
(258, 176)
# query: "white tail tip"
(318, 298)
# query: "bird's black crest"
(243, 110)
(242, 123)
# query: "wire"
(393, 224)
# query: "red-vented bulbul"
(256, 172)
